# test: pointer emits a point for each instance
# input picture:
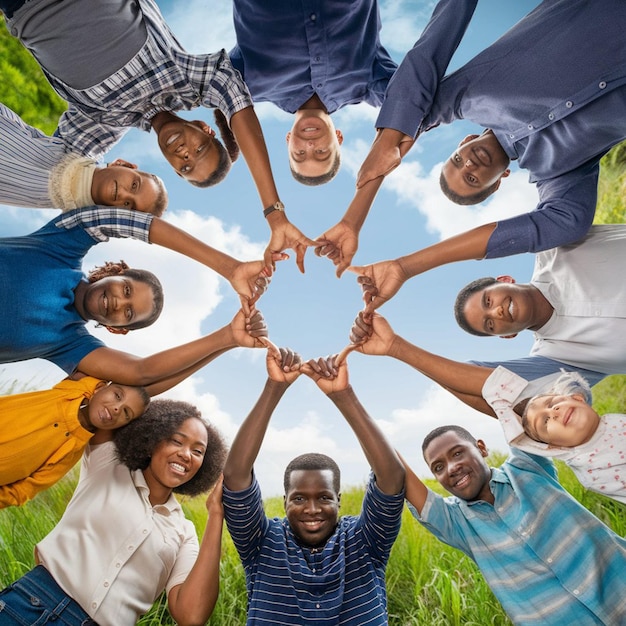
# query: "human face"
(177, 459)
(312, 506)
(189, 148)
(561, 420)
(503, 309)
(113, 406)
(460, 467)
(118, 301)
(477, 163)
(123, 186)
(313, 143)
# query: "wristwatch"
(277, 206)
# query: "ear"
(117, 330)
(339, 136)
(508, 336)
(580, 397)
(100, 385)
(204, 127)
(482, 446)
(122, 163)
(339, 500)
(506, 173)
(288, 136)
(467, 139)
(505, 278)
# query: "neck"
(79, 295)
(83, 417)
(313, 102)
(162, 117)
(543, 309)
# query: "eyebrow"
(483, 302)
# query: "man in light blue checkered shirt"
(118, 65)
(547, 559)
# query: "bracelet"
(277, 206)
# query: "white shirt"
(599, 464)
(585, 284)
(112, 551)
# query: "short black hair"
(461, 300)
(312, 461)
(442, 430)
(160, 204)
(136, 442)
(474, 198)
(313, 181)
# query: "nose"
(184, 453)
(311, 506)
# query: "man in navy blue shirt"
(310, 58)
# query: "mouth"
(177, 468)
(567, 417)
(105, 416)
(312, 525)
(114, 191)
(462, 482)
(511, 309)
(104, 305)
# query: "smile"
(172, 138)
(462, 482)
(178, 468)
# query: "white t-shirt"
(112, 551)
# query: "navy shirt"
(289, 50)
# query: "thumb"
(343, 355)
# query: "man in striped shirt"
(313, 567)
(40, 172)
(547, 559)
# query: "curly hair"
(475, 198)
(461, 300)
(136, 442)
(322, 179)
(227, 155)
(121, 268)
(312, 461)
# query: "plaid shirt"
(162, 76)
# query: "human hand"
(371, 334)
(388, 148)
(379, 282)
(249, 331)
(329, 373)
(283, 364)
(250, 279)
(286, 235)
(339, 244)
(214, 504)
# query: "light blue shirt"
(553, 91)
(547, 559)
(289, 50)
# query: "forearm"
(247, 442)
(358, 210)
(380, 454)
(456, 376)
(474, 402)
(164, 234)
(247, 130)
(193, 602)
(470, 245)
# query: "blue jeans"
(36, 599)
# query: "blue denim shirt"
(289, 50)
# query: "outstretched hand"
(379, 282)
(384, 156)
(329, 373)
(339, 244)
(371, 334)
(283, 364)
(286, 235)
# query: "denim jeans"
(36, 599)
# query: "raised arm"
(415, 490)
(283, 367)
(193, 601)
(247, 130)
(464, 380)
(381, 281)
(331, 376)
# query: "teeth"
(172, 139)
(178, 467)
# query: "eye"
(129, 314)
(127, 291)
(490, 326)
(200, 148)
(176, 441)
(472, 180)
(457, 158)
(198, 453)
(135, 185)
(437, 469)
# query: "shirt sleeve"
(85, 136)
(185, 559)
(567, 205)
(101, 222)
(413, 87)
(381, 517)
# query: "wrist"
(276, 207)
(342, 394)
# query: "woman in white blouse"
(123, 538)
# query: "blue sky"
(312, 313)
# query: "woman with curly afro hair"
(123, 538)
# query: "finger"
(272, 348)
(280, 256)
(341, 268)
(246, 305)
(358, 269)
(268, 258)
(300, 252)
(314, 365)
(343, 355)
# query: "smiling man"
(541, 552)
(310, 59)
(313, 567)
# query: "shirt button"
(317, 606)
(313, 570)
(94, 605)
(530, 126)
(569, 104)
(106, 583)
(511, 136)
(317, 58)
(319, 84)
(550, 116)
(145, 531)
(313, 17)
(576, 592)
(602, 85)
(56, 425)
(549, 560)
(131, 548)
(118, 565)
